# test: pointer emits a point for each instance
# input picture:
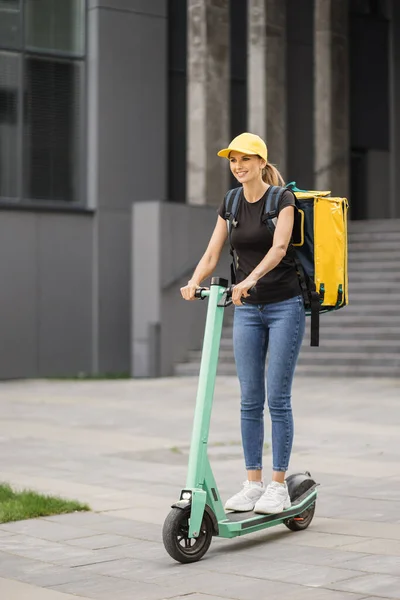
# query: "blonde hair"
(271, 175)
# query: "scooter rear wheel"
(176, 538)
(301, 521)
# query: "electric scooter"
(199, 514)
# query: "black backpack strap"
(310, 297)
(232, 200)
(274, 194)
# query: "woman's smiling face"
(246, 167)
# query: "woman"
(270, 317)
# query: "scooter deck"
(237, 523)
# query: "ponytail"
(271, 175)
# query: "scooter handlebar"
(203, 292)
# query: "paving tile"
(18, 567)
(377, 546)
(385, 586)
(107, 588)
(15, 590)
(356, 527)
(52, 552)
(375, 563)
(309, 555)
(47, 575)
(81, 519)
(45, 530)
(134, 529)
(321, 540)
(4, 533)
(164, 573)
(100, 540)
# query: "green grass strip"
(16, 506)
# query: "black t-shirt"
(251, 240)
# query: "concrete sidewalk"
(122, 446)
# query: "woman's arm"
(282, 235)
(209, 260)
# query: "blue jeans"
(279, 327)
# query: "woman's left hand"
(242, 290)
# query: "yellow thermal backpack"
(318, 246)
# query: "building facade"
(106, 105)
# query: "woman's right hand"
(188, 291)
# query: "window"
(55, 25)
(10, 23)
(9, 109)
(42, 49)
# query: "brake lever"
(226, 298)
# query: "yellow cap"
(248, 143)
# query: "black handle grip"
(229, 291)
(198, 293)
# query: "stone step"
(384, 354)
(372, 266)
(362, 370)
(372, 297)
(374, 226)
(366, 288)
(390, 256)
(377, 276)
(339, 323)
(359, 335)
(326, 357)
(370, 237)
(374, 246)
(335, 344)
(359, 308)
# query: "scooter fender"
(182, 504)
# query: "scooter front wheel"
(176, 538)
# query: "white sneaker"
(247, 497)
(275, 499)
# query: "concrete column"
(208, 100)
(257, 67)
(331, 96)
(276, 83)
(267, 76)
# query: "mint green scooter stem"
(199, 478)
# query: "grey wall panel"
(113, 291)
(148, 7)
(132, 81)
(64, 294)
(18, 295)
(182, 327)
(146, 287)
(167, 242)
(185, 234)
